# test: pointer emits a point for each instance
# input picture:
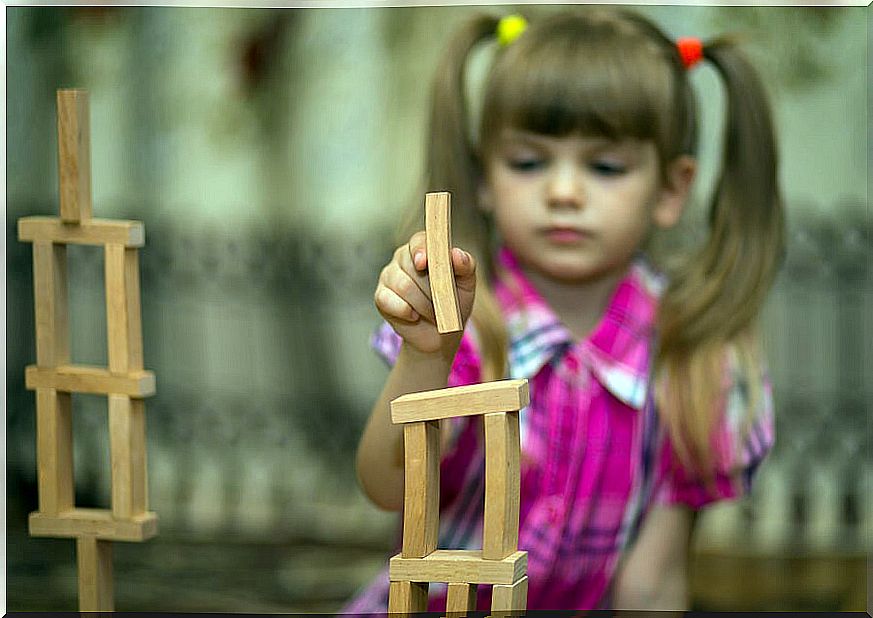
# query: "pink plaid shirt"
(595, 458)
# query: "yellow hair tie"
(509, 28)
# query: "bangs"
(578, 77)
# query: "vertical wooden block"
(54, 451)
(95, 574)
(128, 456)
(421, 488)
(509, 600)
(460, 600)
(407, 597)
(51, 304)
(502, 485)
(74, 155)
(438, 228)
(123, 313)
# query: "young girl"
(648, 393)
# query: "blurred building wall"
(270, 154)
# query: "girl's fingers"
(418, 251)
(399, 282)
(464, 266)
(392, 306)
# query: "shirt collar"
(616, 351)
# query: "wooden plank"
(460, 599)
(441, 274)
(470, 400)
(54, 451)
(502, 485)
(98, 523)
(123, 314)
(87, 379)
(509, 600)
(128, 456)
(51, 304)
(74, 155)
(95, 575)
(91, 232)
(421, 497)
(407, 597)
(454, 565)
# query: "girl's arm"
(403, 298)
(654, 573)
(380, 451)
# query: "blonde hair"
(610, 72)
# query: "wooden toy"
(437, 218)
(499, 563)
(55, 378)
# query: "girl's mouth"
(565, 235)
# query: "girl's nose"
(565, 189)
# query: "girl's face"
(574, 209)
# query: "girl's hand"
(404, 300)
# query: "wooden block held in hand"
(421, 498)
(460, 599)
(74, 155)
(438, 228)
(95, 574)
(407, 597)
(502, 485)
(469, 400)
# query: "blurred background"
(269, 154)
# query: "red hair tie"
(690, 49)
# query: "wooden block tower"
(498, 563)
(55, 378)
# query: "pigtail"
(714, 301)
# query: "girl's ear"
(679, 178)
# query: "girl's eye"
(525, 164)
(608, 168)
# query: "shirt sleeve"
(743, 436)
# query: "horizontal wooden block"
(98, 523)
(454, 565)
(471, 400)
(86, 379)
(90, 232)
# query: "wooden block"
(95, 574)
(421, 497)
(128, 456)
(470, 400)
(438, 228)
(460, 600)
(454, 565)
(407, 597)
(123, 315)
(54, 451)
(509, 600)
(51, 304)
(74, 155)
(87, 379)
(502, 485)
(91, 232)
(98, 523)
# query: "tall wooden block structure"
(499, 562)
(55, 378)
